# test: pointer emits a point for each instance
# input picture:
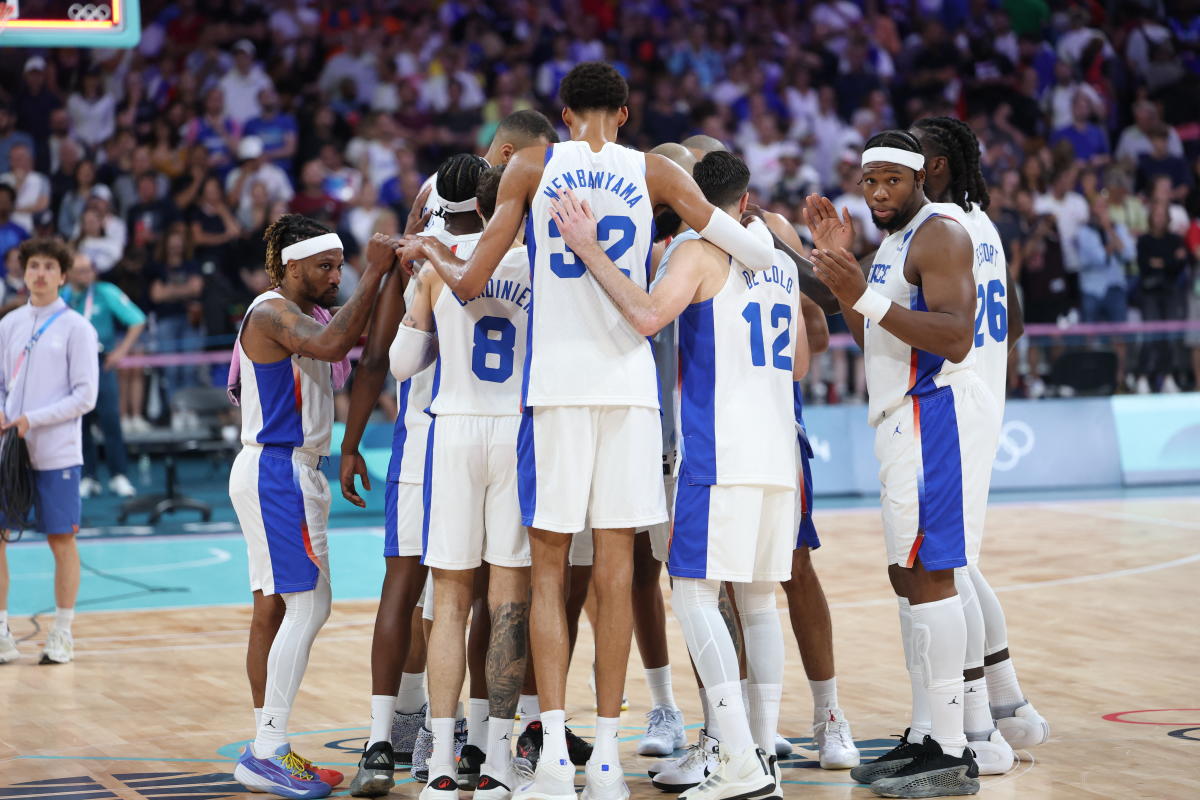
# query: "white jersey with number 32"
(582, 351)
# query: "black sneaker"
(578, 750)
(889, 763)
(932, 773)
(374, 776)
(529, 743)
(469, 762)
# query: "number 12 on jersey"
(781, 316)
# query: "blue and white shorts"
(282, 502)
(56, 503)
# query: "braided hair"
(954, 139)
(287, 230)
(458, 176)
(901, 140)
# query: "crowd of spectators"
(163, 164)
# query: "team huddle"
(597, 353)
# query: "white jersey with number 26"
(582, 351)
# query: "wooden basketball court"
(1101, 598)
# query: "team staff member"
(105, 306)
(48, 376)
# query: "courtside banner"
(1067, 443)
(1158, 437)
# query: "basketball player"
(590, 424)
(404, 578)
(280, 496)
(934, 420)
(808, 608)
(735, 503)
(954, 177)
(48, 382)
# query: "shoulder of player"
(273, 311)
(937, 233)
(700, 252)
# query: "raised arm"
(669, 183)
(941, 254)
(831, 232)
(414, 346)
(467, 279)
(286, 325)
(649, 312)
(787, 240)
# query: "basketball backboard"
(66, 23)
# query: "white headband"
(458, 206)
(310, 247)
(894, 155)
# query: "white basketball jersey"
(735, 419)
(481, 343)
(288, 403)
(581, 349)
(411, 432)
(895, 370)
(991, 297)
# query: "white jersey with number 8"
(581, 350)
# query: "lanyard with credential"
(32, 341)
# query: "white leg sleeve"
(764, 658)
(306, 613)
(919, 725)
(974, 617)
(995, 627)
(940, 644)
(977, 713)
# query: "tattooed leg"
(728, 609)
(508, 598)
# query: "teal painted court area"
(178, 571)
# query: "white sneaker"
(1169, 386)
(783, 748)
(8, 648)
(552, 780)
(689, 769)
(60, 648)
(120, 486)
(664, 732)
(140, 425)
(89, 487)
(745, 775)
(443, 784)
(994, 756)
(834, 741)
(604, 782)
(498, 784)
(1143, 385)
(1025, 728)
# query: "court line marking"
(1116, 717)
(1121, 516)
(216, 555)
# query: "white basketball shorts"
(403, 518)
(935, 454)
(282, 503)
(597, 465)
(471, 509)
(732, 533)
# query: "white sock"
(919, 725)
(977, 713)
(63, 617)
(477, 717)
(763, 714)
(604, 748)
(272, 731)
(824, 697)
(443, 745)
(257, 719)
(3, 622)
(527, 708)
(411, 696)
(383, 706)
(659, 682)
(729, 710)
(554, 735)
(1003, 687)
(940, 642)
(499, 743)
(712, 726)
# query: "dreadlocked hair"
(954, 139)
(458, 176)
(287, 230)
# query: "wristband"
(872, 305)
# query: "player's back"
(581, 349)
(735, 413)
(991, 297)
(481, 343)
(894, 369)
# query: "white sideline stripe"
(1122, 516)
(216, 556)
